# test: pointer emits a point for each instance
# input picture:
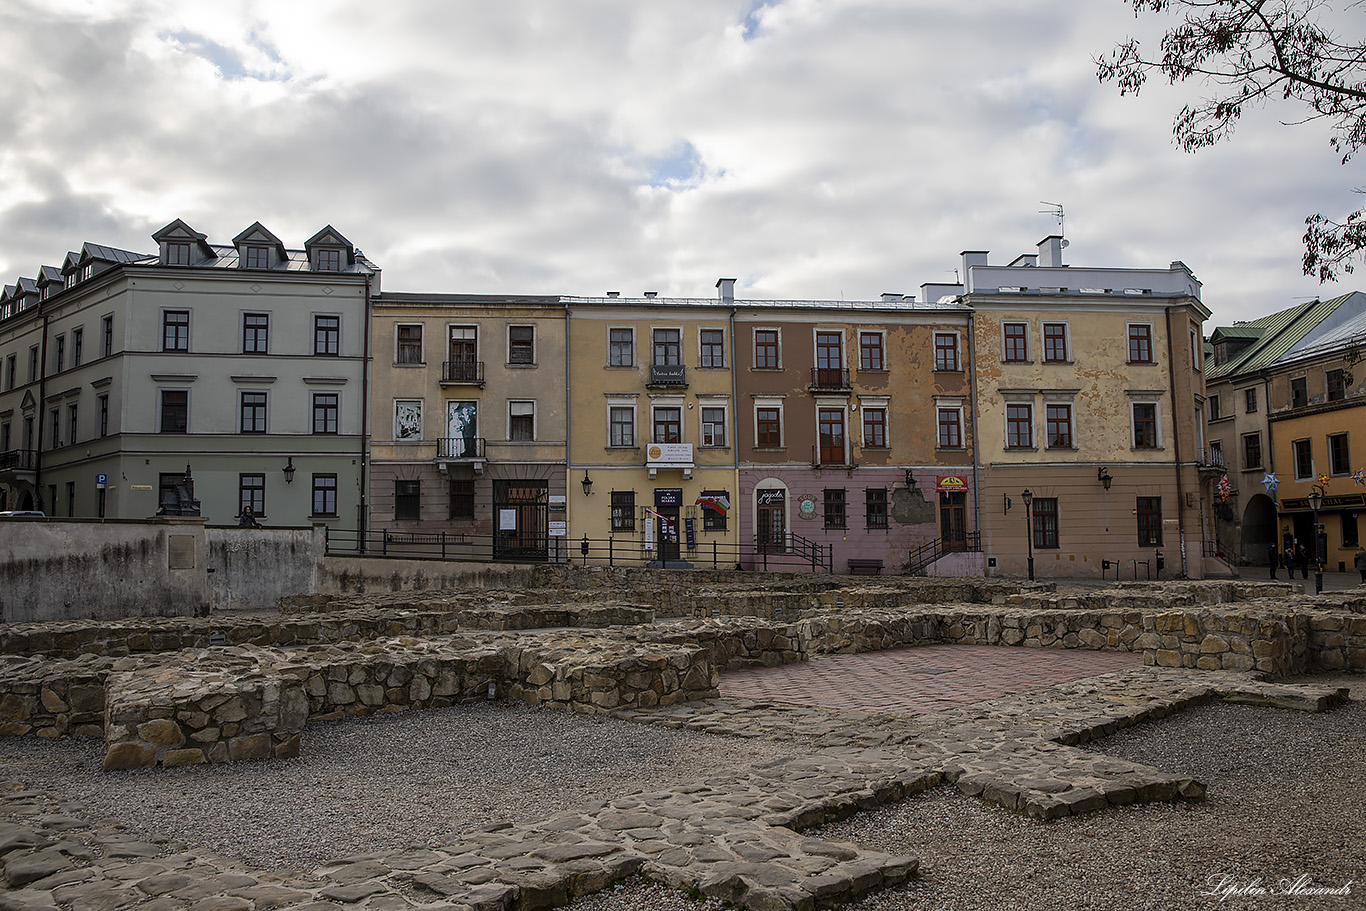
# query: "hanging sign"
(951, 483)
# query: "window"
(70, 499)
(1338, 461)
(945, 351)
(253, 412)
(1195, 349)
(408, 419)
(714, 519)
(462, 498)
(870, 351)
(329, 260)
(327, 335)
(104, 415)
(623, 426)
(668, 425)
(1145, 425)
(325, 412)
(1058, 426)
(1149, 521)
(668, 347)
(874, 428)
(11, 366)
(178, 254)
(251, 491)
(407, 500)
(713, 343)
(175, 330)
(59, 347)
(33, 363)
(77, 346)
(56, 415)
(522, 345)
(835, 509)
(766, 349)
(28, 431)
(623, 510)
(1140, 343)
(875, 507)
(1055, 342)
(621, 347)
(713, 426)
(4, 436)
(830, 427)
(950, 428)
(258, 257)
(768, 428)
(1299, 392)
(71, 424)
(1252, 450)
(325, 495)
(1214, 408)
(1019, 426)
(1045, 522)
(106, 336)
(1250, 400)
(1216, 453)
(829, 358)
(1336, 385)
(521, 421)
(175, 411)
(255, 333)
(1016, 342)
(409, 341)
(1304, 458)
(1350, 536)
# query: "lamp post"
(1029, 530)
(1315, 501)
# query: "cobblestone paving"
(733, 837)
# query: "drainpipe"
(1176, 448)
(40, 419)
(364, 420)
(735, 434)
(972, 417)
(568, 468)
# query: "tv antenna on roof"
(1055, 209)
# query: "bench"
(865, 567)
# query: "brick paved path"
(914, 681)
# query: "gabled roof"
(260, 234)
(178, 230)
(1243, 330)
(331, 237)
(49, 274)
(1279, 333)
(101, 253)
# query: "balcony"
(1210, 461)
(462, 373)
(830, 379)
(460, 450)
(673, 376)
(18, 465)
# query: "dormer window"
(177, 253)
(258, 257)
(328, 261)
(70, 280)
(87, 271)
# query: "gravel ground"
(385, 781)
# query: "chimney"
(614, 294)
(652, 294)
(971, 258)
(890, 296)
(1050, 250)
(726, 288)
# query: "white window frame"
(1069, 354)
(1152, 341)
(1156, 402)
(958, 365)
(883, 402)
(724, 405)
(1029, 402)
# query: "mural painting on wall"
(462, 424)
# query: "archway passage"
(1259, 529)
(27, 501)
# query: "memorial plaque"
(180, 552)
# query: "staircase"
(923, 556)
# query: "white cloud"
(812, 149)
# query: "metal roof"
(1280, 332)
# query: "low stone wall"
(253, 568)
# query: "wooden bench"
(865, 567)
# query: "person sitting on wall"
(248, 518)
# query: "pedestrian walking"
(1289, 559)
(1359, 561)
(1273, 558)
(1302, 558)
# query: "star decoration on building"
(1360, 476)
(1270, 481)
(1224, 488)
(1323, 479)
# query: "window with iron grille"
(835, 516)
(408, 500)
(766, 349)
(945, 351)
(1339, 461)
(875, 507)
(1045, 522)
(713, 342)
(410, 345)
(1149, 521)
(1145, 425)
(623, 510)
(870, 351)
(461, 498)
(1140, 344)
(1019, 426)
(1058, 421)
(521, 345)
(1016, 342)
(621, 348)
(623, 431)
(874, 428)
(950, 428)
(1055, 342)
(768, 428)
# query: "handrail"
(921, 557)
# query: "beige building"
(652, 457)
(1089, 409)
(468, 406)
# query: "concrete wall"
(253, 568)
(87, 569)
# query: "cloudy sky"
(810, 148)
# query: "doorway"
(953, 512)
(666, 532)
(772, 518)
(521, 515)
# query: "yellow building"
(1088, 404)
(652, 457)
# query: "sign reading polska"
(952, 483)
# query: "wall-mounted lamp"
(910, 479)
(587, 483)
(1007, 504)
(289, 471)
(1103, 476)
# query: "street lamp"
(1029, 530)
(1315, 501)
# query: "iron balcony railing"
(460, 448)
(18, 459)
(829, 377)
(466, 372)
